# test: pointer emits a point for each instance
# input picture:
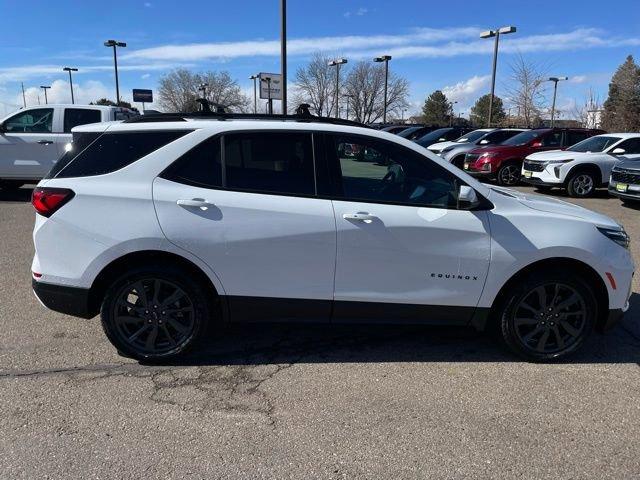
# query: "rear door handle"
(45, 142)
(194, 202)
(360, 217)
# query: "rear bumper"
(60, 298)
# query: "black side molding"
(60, 298)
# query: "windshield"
(405, 133)
(594, 144)
(471, 136)
(524, 138)
(433, 136)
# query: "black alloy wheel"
(509, 174)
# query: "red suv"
(503, 162)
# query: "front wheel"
(581, 184)
(548, 316)
(508, 174)
(155, 313)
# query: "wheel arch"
(585, 167)
(122, 264)
(584, 270)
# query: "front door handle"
(45, 142)
(360, 217)
(194, 202)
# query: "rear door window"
(80, 116)
(553, 139)
(113, 151)
(270, 162)
(200, 167)
(575, 137)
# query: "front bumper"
(64, 299)
(631, 192)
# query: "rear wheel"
(509, 174)
(155, 313)
(581, 184)
(548, 315)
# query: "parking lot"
(307, 401)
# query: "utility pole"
(255, 93)
(70, 69)
(336, 63)
(24, 98)
(555, 81)
(385, 59)
(45, 88)
(114, 44)
(283, 54)
(495, 34)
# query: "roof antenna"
(204, 105)
(303, 110)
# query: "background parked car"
(454, 152)
(413, 133)
(504, 162)
(583, 167)
(625, 181)
(34, 138)
(395, 128)
(442, 135)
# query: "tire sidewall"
(501, 169)
(198, 297)
(507, 314)
(571, 188)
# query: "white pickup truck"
(33, 138)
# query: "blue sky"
(433, 45)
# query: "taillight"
(47, 201)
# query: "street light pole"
(45, 88)
(489, 34)
(336, 63)
(70, 69)
(555, 81)
(385, 59)
(115, 44)
(283, 54)
(203, 88)
(255, 93)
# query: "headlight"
(487, 155)
(618, 236)
(560, 161)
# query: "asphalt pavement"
(307, 401)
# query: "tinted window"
(113, 151)
(433, 137)
(575, 137)
(80, 141)
(500, 136)
(471, 136)
(80, 116)
(200, 166)
(272, 162)
(553, 139)
(39, 120)
(594, 144)
(375, 171)
(631, 146)
(523, 138)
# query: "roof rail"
(302, 115)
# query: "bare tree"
(179, 89)
(587, 112)
(364, 90)
(526, 90)
(315, 84)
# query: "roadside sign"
(144, 96)
(274, 80)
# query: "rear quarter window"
(110, 152)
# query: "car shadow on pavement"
(18, 195)
(285, 344)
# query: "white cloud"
(145, 76)
(83, 93)
(422, 42)
(468, 91)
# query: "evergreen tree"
(479, 114)
(436, 109)
(622, 107)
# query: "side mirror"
(618, 151)
(442, 139)
(467, 197)
(536, 144)
(484, 142)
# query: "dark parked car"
(442, 135)
(504, 162)
(413, 133)
(395, 128)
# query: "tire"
(167, 321)
(10, 184)
(508, 174)
(538, 334)
(581, 184)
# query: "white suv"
(171, 224)
(34, 138)
(582, 167)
